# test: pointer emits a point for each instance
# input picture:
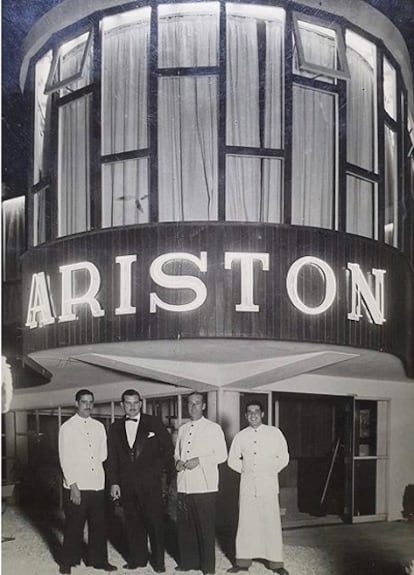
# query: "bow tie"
(131, 419)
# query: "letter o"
(292, 285)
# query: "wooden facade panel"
(217, 317)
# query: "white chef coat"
(82, 451)
(259, 454)
(203, 439)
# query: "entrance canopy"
(166, 367)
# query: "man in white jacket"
(258, 453)
(199, 449)
(82, 451)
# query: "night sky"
(17, 18)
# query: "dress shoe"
(237, 569)
(281, 571)
(179, 569)
(159, 569)
(132, 566)
(105, 567)
(64, 569)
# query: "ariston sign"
(367, 287)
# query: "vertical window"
(362, 136)
(319, 63)
(70, 74)
(390, 154)
(313, 144)
(361, 102)
(42, 112)
(74, 166)
(390, 89)
(125, 39)
(391, 188)
(13, 234)
(254, 122)
(39, 199)
(361, 207)
(125, 192)
(187, 111)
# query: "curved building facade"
(222, 199)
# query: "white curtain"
(390, 89)
(313, 143)
(124, 116)
(313, 177)
(73, 167)
(187, 114)
(13, 246)
(253, 189)
(187, 144)
(253, 184)
(70, 61)
(391, 187)
(320, 49)
(188, 35)
(361, 207)
(13, 228)
(361, 134)
(125, 193)
(42, 118)
(361, 108)
(39, 216)
(125, 83)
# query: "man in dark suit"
(139, 450)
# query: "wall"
(401, 472)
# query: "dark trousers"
(92, 510)
(196, 519)
(144, 518)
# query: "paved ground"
(380, 549)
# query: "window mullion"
(381, 146)
(288, 120)
(52, 198)
(400, 207)
(341, 192)
(152, 114)
(95, 134)
(222, 113)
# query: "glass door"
(316, 487)
(370, 460)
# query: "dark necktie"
(132, 419)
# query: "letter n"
(362, 294)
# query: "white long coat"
(259, 454)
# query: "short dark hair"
(254, 402)
(197, 393)
(83, 392)
(130, 392)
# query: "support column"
(9, 431)
(229, 413)
(22, 448)
(212, 406)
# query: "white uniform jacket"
(82, 451)
(203, 439)
(259, 454)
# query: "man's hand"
(192, 463)
(115, 492)
(75, 494)
(180, 465)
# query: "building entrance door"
(317, 485)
